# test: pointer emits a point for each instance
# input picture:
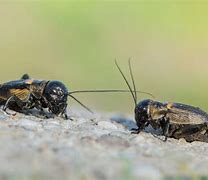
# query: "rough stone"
(99, 147)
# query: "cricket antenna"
(127, 83)
(107, 91)
(132, 79)
(88, 109)
(112, 90)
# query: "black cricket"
(27, 93)
(176, 120)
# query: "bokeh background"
(76, 42)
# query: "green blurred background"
(76, 42)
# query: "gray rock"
(107, 125)
(93, 148)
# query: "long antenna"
(107, 91)
(132, 79)
(135, 102)
(80, 103)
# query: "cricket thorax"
(37, 88)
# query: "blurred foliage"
(77, 41)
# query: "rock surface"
(92, 147)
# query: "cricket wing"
(185, 114)
(19, 88)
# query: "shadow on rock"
(127, 123)
(37, 113)
(130, 124)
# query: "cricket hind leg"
(12, 99)
(16, 104)
(200, 136)
(196, 132)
